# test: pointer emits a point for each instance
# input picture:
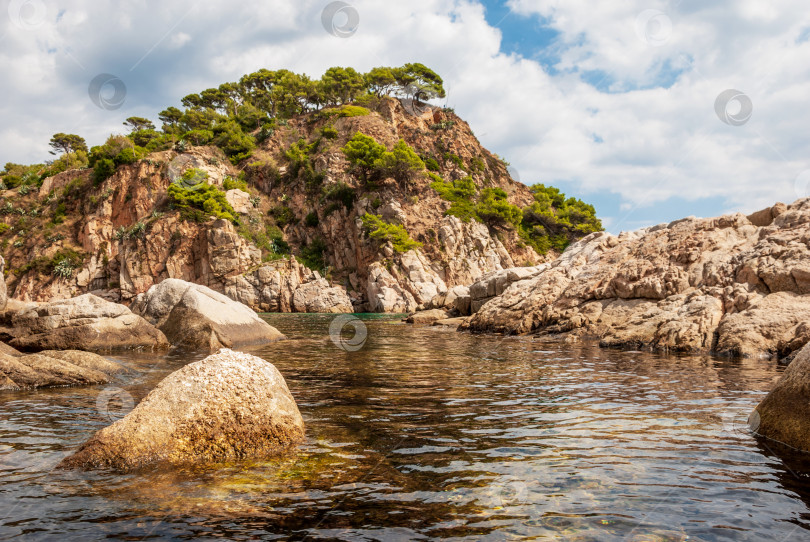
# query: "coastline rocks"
(288, 286)
(86, 322)
(194, 316)
(54, 369)
(733, 285)
(784, 414)
(229, 406)
(319, 297)
(427, 317)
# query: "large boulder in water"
(231, 405)
(194, 316)
(784, 414)
(86, 322)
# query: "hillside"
(359, 201)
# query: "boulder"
(194, 316)
(318, 296)
(427, 317)
(784, 414)
(229, 406)
(40, 371)
(87, 323)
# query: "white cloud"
(645, 135)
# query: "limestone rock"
(229, 406)
(87, 323)
(193, 316)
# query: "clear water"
(430, 434)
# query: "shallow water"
(425, 433)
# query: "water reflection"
(426, 433)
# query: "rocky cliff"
(118, 237)
(734, 285)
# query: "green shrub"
(103, 170)
(235, 184)
(206, 198)
(431, 164)
(62, 264)
(311, 220)
(59, 213)
(494, 209)
(283, 215)
(363, 152)
(236, 144)
(329, 132)
(345, 111)
(341, 193)
(313, 255)
(402, 163)
(553, 221)
(4, 228)
(382, 231)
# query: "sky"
(650, 110)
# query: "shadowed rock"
(194, 316)
(784, 414)
(229, 406)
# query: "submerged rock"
(42, 371)
(229, 406)
(427, 317)
(784, 414)
(194, 316)
(86, 322)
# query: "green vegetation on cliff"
(550, 222)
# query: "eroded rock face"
(734, 285)
(229, 406)
(3, 290)
(784, 414)
(87, 323)
(287, 286)
(193, 317)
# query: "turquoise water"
(423, 433)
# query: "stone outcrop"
(86, 322)
(287, 286)
(54, 369)
(733, 285)
(784, 414)
(193, 316)
(229, 406)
